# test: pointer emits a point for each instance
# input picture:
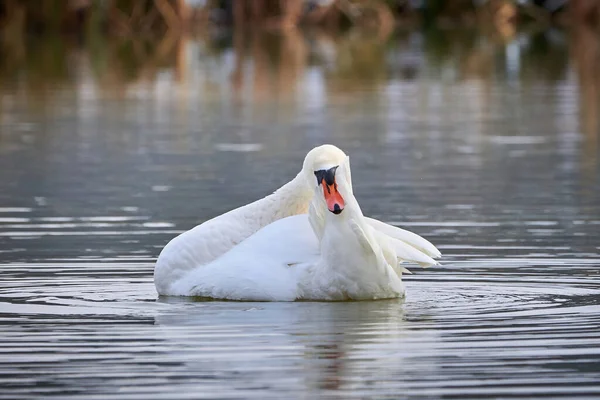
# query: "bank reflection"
(247, 85)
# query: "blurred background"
(166, 112)
(173, 109)
(473, 123)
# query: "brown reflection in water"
(51, 61)
(331, 373)
(585, 52)
(129, 60)
(359, 62)
(278, 62)
(350, 61)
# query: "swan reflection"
(332, 346)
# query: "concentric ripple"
(84, 330)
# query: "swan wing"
(409, 238)
(402, 251)
(372, 242)
(360, 234)
(317, 220)
(260, 268)
(290, 240)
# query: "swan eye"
(326, 174)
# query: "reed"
(115, 16)
(140, 17)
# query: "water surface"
(487, 148)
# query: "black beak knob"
(328, 175)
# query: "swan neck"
(291, 199)
(351, 211)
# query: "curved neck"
(291, 199)
(320, 217)
(351, 211)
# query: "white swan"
(323, 255)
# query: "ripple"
(15, 209)
(466, 333)
(517, 140)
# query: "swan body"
(259, 268)
(215, 237)
(331, 253)
(266, 268)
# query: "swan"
(331, 253)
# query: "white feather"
(405, 236)
(269, 250)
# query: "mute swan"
(213, 238)
(331, 253)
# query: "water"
(489, 149)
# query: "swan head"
(327, 169)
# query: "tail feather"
(406, 252)
(401, 251)
(409, 238)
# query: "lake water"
(487, 146)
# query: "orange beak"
(333, 198)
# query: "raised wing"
(408, 238)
